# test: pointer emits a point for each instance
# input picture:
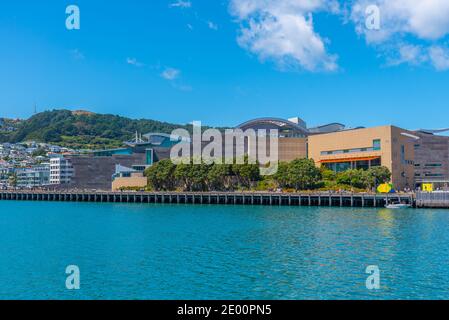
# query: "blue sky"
(223, 62)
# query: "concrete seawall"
(267, 199)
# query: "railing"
(433, 199)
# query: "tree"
(246, 173)
(218, 177)
(376, 176)
(328, 175)
(13, 180)
(40, 152)
(192, 177)
(161, 175)
(198, 176)
(182, 176)
(281, 176)
(355, 178)
(303, 174)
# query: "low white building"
(61, 171)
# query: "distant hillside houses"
(26, 165)
(5, 126)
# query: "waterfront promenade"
(216, 198)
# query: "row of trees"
(301, 174)
(356, 179)
(165, 175)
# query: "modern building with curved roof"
(286, 128)
(414, 157)
(291, 128)
(293, 134)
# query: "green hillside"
(82, 129)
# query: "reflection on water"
(221, 252)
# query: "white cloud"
(171, 74)
(406, 53)
(283, 31)
(412, 31)
(439, 57)
(181, 4)
(134, 62)
(212, 25)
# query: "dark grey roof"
(285, 124)
(327, 128)
(277, 122)
(433, 131)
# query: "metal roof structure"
(274, 123)
(433, 131)
(286, 125)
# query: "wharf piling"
(240, 198)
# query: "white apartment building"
(61, 171)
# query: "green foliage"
(198, 177)
(328, 175)
(218, 177)
(13, 179)
(161, 176)
(39, 153)
(267, 184)
(201, 177)
(83, 130)
(303, 174)
(377, 176)
(281, 177)
(132, 189)
(246, 173)
(355, 179)
(192, 177)
(182, 176)
(300, 174)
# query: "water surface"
(140, 251)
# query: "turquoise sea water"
(140, 251)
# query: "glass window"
(434, 175)
(376, 145)
(362, 165)
(342, 166)
(149, 157)
(430, 165)
(403, 153)
(376, 162)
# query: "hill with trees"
(81, 129)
